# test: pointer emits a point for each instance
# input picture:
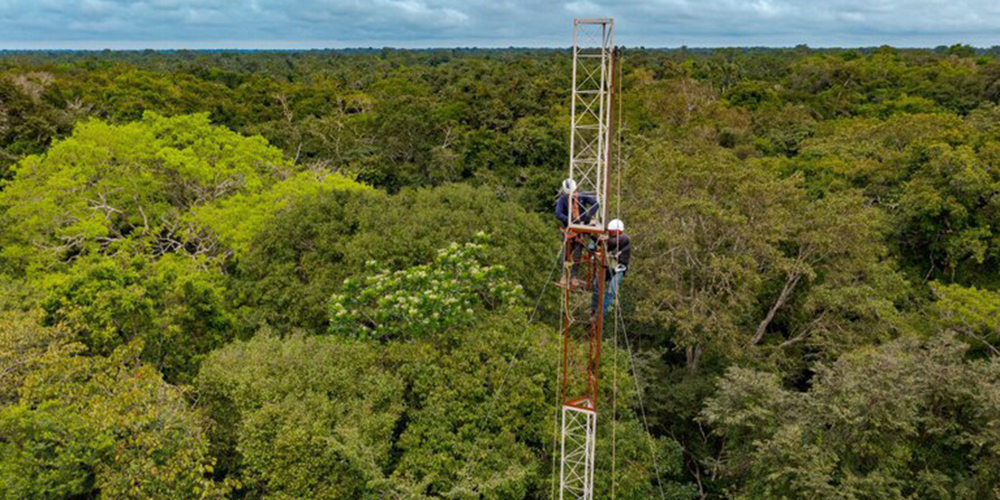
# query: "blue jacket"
(588, 207)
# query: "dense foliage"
(326, 274)
(880, 422)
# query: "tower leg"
(576, 465)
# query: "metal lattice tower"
(586, 251)
(590, 113)
(576, 472)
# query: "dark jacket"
(588, 207)
(620, 248)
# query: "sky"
(300, 24)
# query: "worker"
(619, 252)
(578, 208)
(567, 211)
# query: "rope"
(620, 320)
(614, 413)
(642, 406)
(618, 151)
(557, 394)
(555, 430)
(471, 467)
(614, 369)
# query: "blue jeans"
(610, 291)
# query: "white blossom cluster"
(424, 299)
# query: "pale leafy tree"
(156, 186)
(126, 188)
(711, 231)
(972, 313)
(127, 229)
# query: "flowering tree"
(414, 302)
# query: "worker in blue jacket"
(571, 205)
(619, 252)
(582, 208)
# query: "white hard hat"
(616, 225)
(568, 186)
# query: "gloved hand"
(621, 268)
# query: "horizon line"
(4, 48)
(430, 44)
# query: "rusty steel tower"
(585, 251)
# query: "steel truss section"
(590, 114)
(583, 318)
(581, 331)
(576, 469)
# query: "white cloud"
(420, 12)
(766, 8)
(582, 7)
(500, 22)
(97, 7)
(852, 17)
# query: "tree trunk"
(782, 299)
(694, 357)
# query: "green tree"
(736, 257)
(109, 428)
(126, 230)
(910, 419)
(328, 417)
(934, 174)
(173, 304)
(451, 405)
(23, 344)
(307, 251)
(303, 417)
(238, 219)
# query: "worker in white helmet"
(619, 252)
(575, 208)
